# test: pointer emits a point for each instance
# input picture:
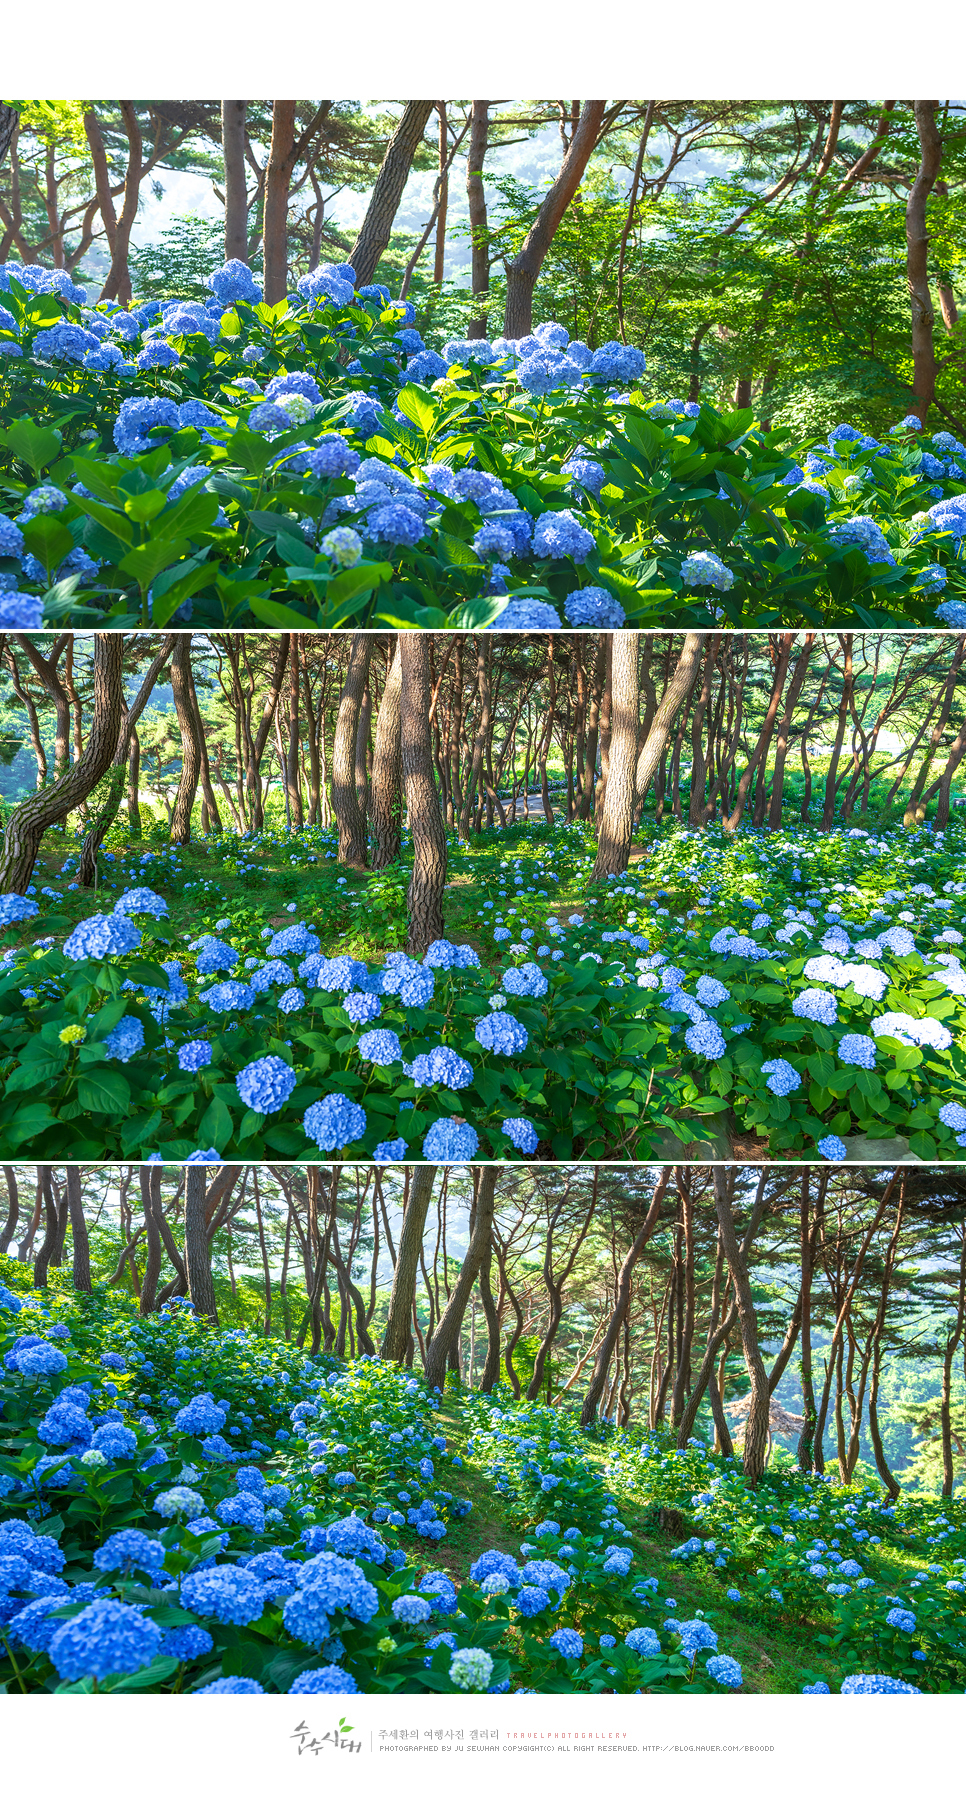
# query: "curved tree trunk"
(345, 799)
(46, 1253)
(126, 742)
(118, 283)
(445, 1339)
(27, 824)
(674, 697)
(756, 1425)
(522, 272)
(376, 228)
(78, 1231)
(197, 1248)
(595, 1387)
(917, 258)
(398, 1332)
(425, 896)
(385, 792)
(9, 1231)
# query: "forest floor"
(777, 1660)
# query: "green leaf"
(359, 580)
(416, 407)
(29, 1122)
(104, 1091)
(149, 559)
(47, 538)
(453, 551)
(215, 1127)
(36, 445)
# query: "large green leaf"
(105, 1091)
(36, 445)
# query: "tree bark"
(234, 114)
(675, 695)
(81, 1268)
(190, 743)
(476, 203)
(522, 272)
(595, 1387)
(446, 1337)
(13, 1209)
(345, 800)
(376, 228)
(150, 1179)
(28, 822)
(917, 259)
(127, 743)
(756, 1425)
(197, 1248)
(425, 895)
(616, 827)
(385, 792)
(118, 283)
(398, 1332)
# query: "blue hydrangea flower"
(501, 1032)
(521, 1134)
(450, 1141)
(441, 1066)
(329, 1679)
(103, 934)
(226, 1592)
(859, 1052)
(876, 1684)
(832, 1148)
(527, 981)
(702, 569)
(523, 614)
(126, 1039)
(782, 1077)
(107, 1638)
(334, 1122)
(594, 609)
(265, 1084)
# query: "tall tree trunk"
(118, 283)
(756, 1425)
(945, 1398)
(446, 1337)
(398, 1332)
(376, 228)
(278, 178)
(828, 812)
(675, 695)
(425, 896)
(523, 270)
(46, 1253)
(598, 1379)
(616, 827)
(442, 204)
(190, 742)
(759, 757)
(784, 731)
(150, 1179)
(197, 1247)
(917, 258)
(80, 1243)
(126, 743)
(386, 787)
(234, 115)
(476, 202)
(345, 800)
(9, 1231)
(28, 822)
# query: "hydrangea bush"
(314, 462)
(806, 987)
(201, 1511)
